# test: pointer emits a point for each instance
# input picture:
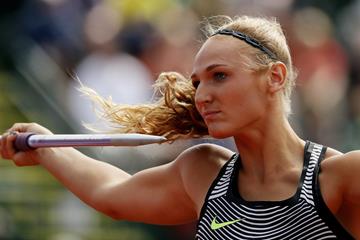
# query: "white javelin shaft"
(75, 140)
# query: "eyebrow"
(209, 68)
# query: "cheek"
(247, 103)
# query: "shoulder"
(199, 166)
(203, 156)
(337, 165)
(340, 187)
(339, 171)
(330, 179)
(341, 163)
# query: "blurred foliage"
(9, 113)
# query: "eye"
(219, 75)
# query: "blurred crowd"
(119, 47)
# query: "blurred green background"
(118, 47)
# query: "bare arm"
(349, 212)
(340, 177)
(350, 172)
(340, 187)
(155, 195)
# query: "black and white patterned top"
(226, 215)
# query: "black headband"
(249, 40)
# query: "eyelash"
(219, 75)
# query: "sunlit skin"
(233, 102)
(236, 102)
(228, 97)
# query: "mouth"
(210, 115)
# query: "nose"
(203, 95)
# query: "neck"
(269, 148)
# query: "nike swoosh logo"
(215, 225)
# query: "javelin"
(28, 141)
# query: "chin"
(219, 134)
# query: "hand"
(8, 151)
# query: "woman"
(242, 79)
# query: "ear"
(277, 77)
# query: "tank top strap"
(222, 182)
(313, 153)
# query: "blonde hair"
(173, 114)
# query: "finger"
(19, 127)
(2, 140)
(3, 151)
(5, 135)
(9, 145)
(7, 149)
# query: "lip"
(209, 115)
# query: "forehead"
(219, 50)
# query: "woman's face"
(229, 97)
